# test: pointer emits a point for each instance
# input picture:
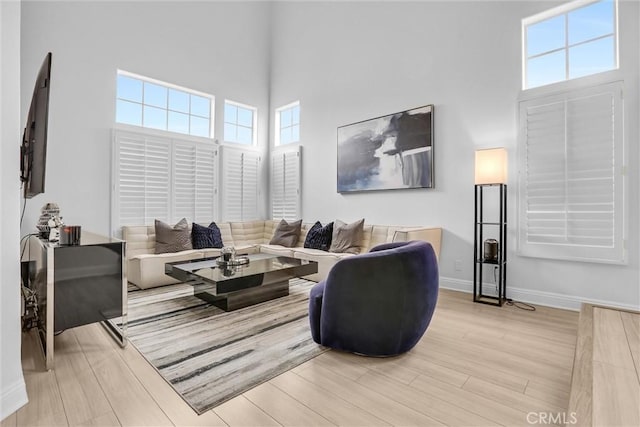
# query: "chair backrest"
(391, 290)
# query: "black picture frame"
(389, 152)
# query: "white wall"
(352, 61)
(13, 393)
(220, 48)
(345, 62)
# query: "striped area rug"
(210, 356)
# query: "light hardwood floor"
(476, 365)
(605, 388)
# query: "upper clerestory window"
(573, 40)
(149, 103)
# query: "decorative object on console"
(319, 237)
(70, 235)
(206, 237)
(387, 153)
(490, 171)
(47, 211)
(287, 234)
(172, 239)
(55, 222)
(347, 238)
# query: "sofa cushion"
(206, 237)
(276, 250)
(141, 239)
(225, 233)
(286, 234)
(317, 254)
(246, 233)
(319, 237)
(347, 237)
(147, 270)
(172, 239)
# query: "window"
(163, 178)
(240, 184)
(239, 123)
(152, 104)
(288, 124)
(285, 184)
(571, 41)
(572, 176)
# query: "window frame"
(168, 86)
(278, 128)
(254, 123)
(561, 10)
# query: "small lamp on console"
(490, 171)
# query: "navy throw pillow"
(206, 237)
(319, 237)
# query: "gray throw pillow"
(172, 239)
(347, 238)
(286, 234)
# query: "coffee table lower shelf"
(243, 298)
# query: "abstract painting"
(387, 153)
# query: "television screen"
(34, 141)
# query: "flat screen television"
(33, 152)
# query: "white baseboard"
(549, 299)
(12, 398)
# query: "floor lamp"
(490, 171)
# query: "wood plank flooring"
(476, 365)
(616, 380)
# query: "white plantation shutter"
(250, 197)
(194, 181)
(240, 184)
(571, 185)
(285, 184)
(157, 186)
(141, 182)
(162, 178)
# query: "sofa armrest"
(147, 270)
(432, 235)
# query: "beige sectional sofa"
(145, 269)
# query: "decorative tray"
(243, 260)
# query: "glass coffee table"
(264, 278)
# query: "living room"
(344, 62)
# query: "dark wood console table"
(78, 285)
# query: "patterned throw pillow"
(347, 238)
(287, 234)
(172, 239)
(206, 237)
(319, 237)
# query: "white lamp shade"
(491, 166)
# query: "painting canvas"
(387, 153)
